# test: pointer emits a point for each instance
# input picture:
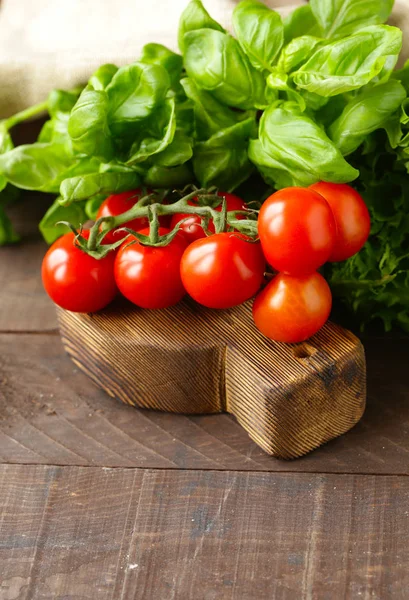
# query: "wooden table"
(99, 500)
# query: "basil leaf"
(299, 23)
(84, 187)
(195, 16)
(274, 172)
(402, 75)
(156, 135)
(179, 151)
(260, 32)
(36, 166)
(222, 160)
(88, 125)
(102, 76)
(156, 54)
(60, 104)
(278, 80)
(295, 53)
(168, 177)
(60, 101)
(7, 233)
(134, 93)
(74, 213)
(338, 18)
(210, 115)
(350, 63)
(365, 113)
(92, 206)
(216, 63)
(302, 148)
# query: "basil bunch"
(311, 97)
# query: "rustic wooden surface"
(100, 500)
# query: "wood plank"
(50, 413)
(24, 306)
(75, 532)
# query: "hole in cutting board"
(303, 351)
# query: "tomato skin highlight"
(76, 281)
(150, 276)
(222, 270)
(297, 230)
(192, 226)
(351, 216)
(117, 204)
(292, 309)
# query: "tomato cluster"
(299, 229)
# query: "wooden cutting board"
(188, 359)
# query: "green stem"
(154, 224)
(93, 239)
(28, 113)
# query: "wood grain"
(122, 534)
(50, 413)
(192, 360)
(24, 306)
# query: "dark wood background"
(99, 500)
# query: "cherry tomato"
(297, 230)
(222, 270)
(116, 205)
(192, 226)
(150, 276)
(291, 309)
(351, 217)
(76, 281)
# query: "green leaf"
(168, 177)
(368, 111)
(350, 63)
(102, 77)
(88, 125)
(210, 115)
(402, 75)
(179, 151)
(222, 160)
(296, 143)
(274, 173)
(36, 166)
(299, 23)
(60, 102)
(260, 32)
(84, 187)
(156, 54)
(216, 63)
(156, 135)
(297, 52)
(7, 233)
(134, 93)
(195, 16)
(278, 80)
(74, 214)
(92, 206)
(339, 18)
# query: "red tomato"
(116, 205)
(76, 281)
(222, 270)
(351, 217)
(291, 309)
(192, 227)
(297, 230)
(150, 276)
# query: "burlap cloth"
(46, 44)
